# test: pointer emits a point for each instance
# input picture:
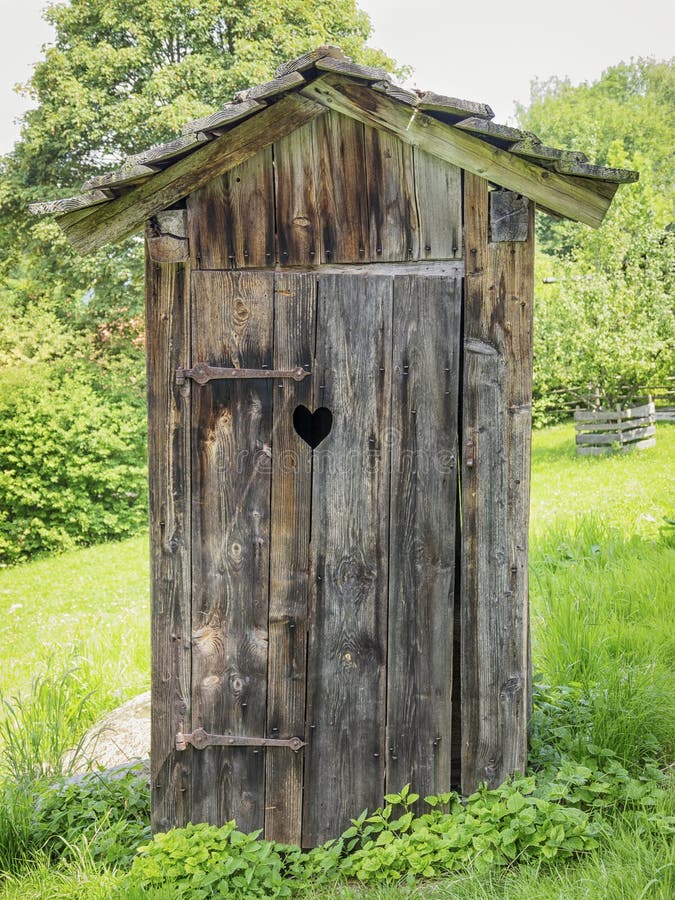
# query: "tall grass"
(602, 594)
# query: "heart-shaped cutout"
(312, 427)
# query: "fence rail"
(602, 431)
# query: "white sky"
(487, 51)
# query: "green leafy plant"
(108, 813)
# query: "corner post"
(495, 474)
(168, 346)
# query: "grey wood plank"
(232, 325)
(353, 70)
(163, 152)
(496, 403)
(342, 192)
(307, 60)
(294, 336)
(438, 193)
(231, 219)
(271, 88)
(394, 232)
(344, 758)
(426, 353)
(299, 220)
(168, 322)
(70, 204)
(453, 106)
(228, 115)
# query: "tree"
(120, 77)
(608, 320)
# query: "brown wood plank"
(344, 758)
(231, 219)
(299, 221)
(353, 70)
(232, 326)
(426, 352)
(123, 216)
(438, 191)
(497, 387)
(167, 318)
(394, 233)
(342, 196)
(571, 198)
(294, 327)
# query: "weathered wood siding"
(496, 403)
(339, 192)
(168, 327)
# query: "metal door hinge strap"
(201, 739)
(201, 373)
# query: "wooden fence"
(602, 431)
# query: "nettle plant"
(521, 821)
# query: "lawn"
(602, 576)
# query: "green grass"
(602, 570)
(92, 604)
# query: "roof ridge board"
(429, 101)
(271, 88)
(227, 115)
(597, 173)
(307, 60)
(533, 147)
(126, 176)
(70, 204)
(351, 69)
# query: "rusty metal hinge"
(201, 739)
(202, 373)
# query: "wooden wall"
(334, 191)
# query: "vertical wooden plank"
(497, 387)
(343, 201)
(294, 335)
(231, 326)
(426, 351)
(438, 191)
(167, 318)
(299, 225)
(394, 233)
(344, 759)
(231, 219)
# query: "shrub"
(72, 456)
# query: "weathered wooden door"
(322, 544)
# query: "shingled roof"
(114, 205)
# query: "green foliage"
(72, 462)
(108, 813)
(608, 320)
(41, 734)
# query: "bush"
(72, 460)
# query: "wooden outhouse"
(339, 337)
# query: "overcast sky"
(487, 51)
